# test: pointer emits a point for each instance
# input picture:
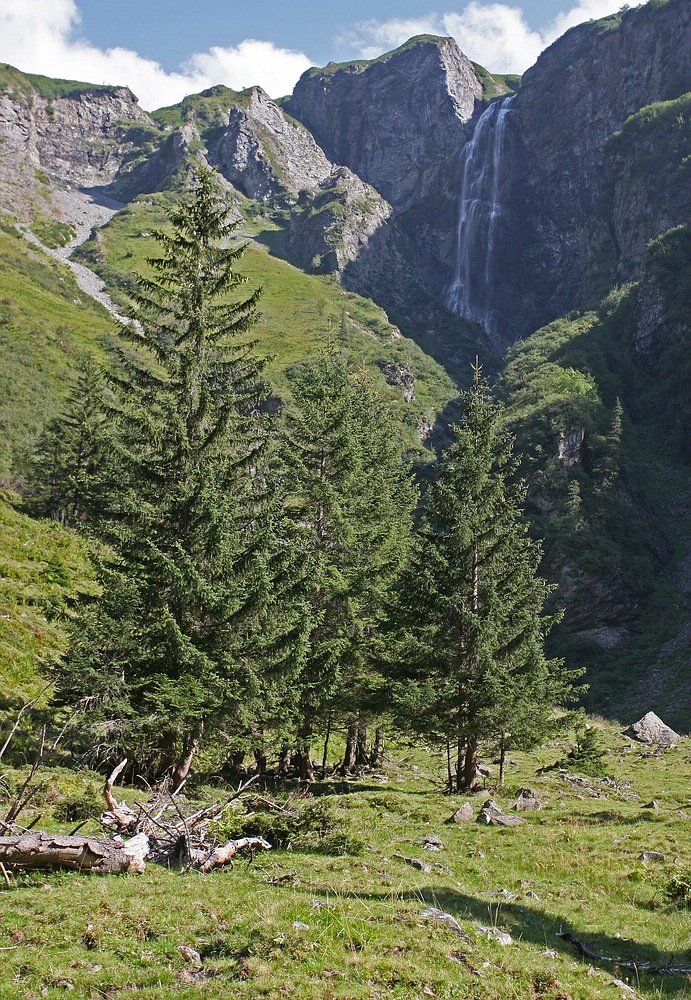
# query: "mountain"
(424, 211)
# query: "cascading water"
(470, 293)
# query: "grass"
(43, 569)
(46, 323)
(12, 79)
(575, 864)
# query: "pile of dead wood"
(160, 831)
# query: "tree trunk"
(502, 762)
(189, 749)
(303, 760)
(84, 854)
(375, 758)
(303, 754)
(361, 757)
(283, 762)
(260, 759)
(326, 746)
(348, 765)
(235, 763)
(460, 764)
(470, 765)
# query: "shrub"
(310, 825)
(676, 888)
(587, 756)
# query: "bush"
(310, 825)
(82, 803)
(676, 889)
(588, 754)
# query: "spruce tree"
(65, 476)
(470, 665)
(354, 499)
(195, 568)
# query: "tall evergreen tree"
(355, 499)
(470, 664)
(197, 576)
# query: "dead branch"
(26, 792)
(118, 816)
(258, 801)
(658, 970)
(22, 711)
(225, 853)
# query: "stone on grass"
(494, 934)
(441, 917)
(463, 814)
(431, 842)
(653, 731)
(488, 812)
(651, 856)
(190, 955)
(492, 814)
(652, 805)
(527, 801)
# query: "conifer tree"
(198, 577)
(65, 480)
(470, 665)
(355, 499)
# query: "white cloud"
(41, 36)
(494, 34)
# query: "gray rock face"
(265, 154)
(337, 226)
(580, 92)
(77, 139)
(394, 119)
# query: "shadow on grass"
(532, 925)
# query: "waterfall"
(470, 292)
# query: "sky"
(165, 49)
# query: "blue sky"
(163, 49)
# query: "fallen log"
(32, 851)
(658, 970)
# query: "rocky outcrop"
(265, 154)
(394, 119)
(345, 229)
(79, 139)
(652, 730)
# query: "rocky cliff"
(70, 135)
(371, 116)
(579, 198)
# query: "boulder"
(491, 814)
(463, 814)
(653, 731)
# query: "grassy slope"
(46, 322)
(300, 314)
(43, 569)
(579, 856)
(632, 538)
